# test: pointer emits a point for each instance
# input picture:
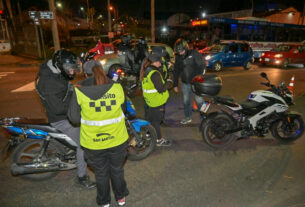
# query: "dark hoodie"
(94, 92)
(54, 91)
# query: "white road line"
(3, 74)
(6, 72)
(28, 87)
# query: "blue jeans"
(188, 100)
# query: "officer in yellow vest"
(155, 93)
(103, 133)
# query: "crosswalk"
(3, 74)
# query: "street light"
(82, 8)
(164, 29)
(59, 4)
(203, 14)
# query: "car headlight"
(278, 55)
(208, 57)
(263, 54)
(103, 62)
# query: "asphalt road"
(254, 172)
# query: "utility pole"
(109, 16)
(54, 26)
(152, 9)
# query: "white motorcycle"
(263, 111)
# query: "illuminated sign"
(199, 22)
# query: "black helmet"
(180, 45)
(65, 60)
(126, 38)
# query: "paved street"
(255, 172)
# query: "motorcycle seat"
(44, 127)
(249, 104)
(226, 101)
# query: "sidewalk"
(11, 60)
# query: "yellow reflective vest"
(102, 120)
(152, 97)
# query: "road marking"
(27, 87)
(3, 74)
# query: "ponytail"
(145, 65)
(100, 77)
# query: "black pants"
(155, 116)
(108, 166)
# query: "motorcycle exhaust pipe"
(30, 168)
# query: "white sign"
(46, 15)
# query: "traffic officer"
(155, 92)
(103, 134)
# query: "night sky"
(141, 8)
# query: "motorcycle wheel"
(213, 131)
(286, 131)
(29, 150)
(139, 151)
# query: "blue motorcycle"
(42, 151)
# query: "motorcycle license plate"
(267, 59)
(205, 107)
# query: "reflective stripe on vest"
(104, 122)
(150, 91)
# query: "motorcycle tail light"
(198, 79)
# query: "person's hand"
(176, 89)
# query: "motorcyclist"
(55, 91)
(141, 51)
(125, 53)
(188, 64)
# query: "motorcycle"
(42, 151)
(263, 111)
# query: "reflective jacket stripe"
(104, 122)
(150, 91)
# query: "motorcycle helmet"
(65, 60)
(126, 38)
(180, 45)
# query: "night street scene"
(152, 103)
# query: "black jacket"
(188, 66)
(54, 91)
(94, 92)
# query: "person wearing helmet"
(55, 91)
(125, 53)
(141, 51)
(188, 64)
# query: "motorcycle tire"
(138, 151)
(28, 150)
(213, 131)
(288, 132)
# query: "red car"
(284, 54)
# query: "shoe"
(122, 202)
(164, 123)
(106, 205)
(186, 121)
(85, 182)
(163, 142)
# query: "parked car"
(228, 54)
(284, 54)
(111, 62)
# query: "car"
(111, 62)
(284, 54)
(228, 54)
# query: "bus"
(261, 35)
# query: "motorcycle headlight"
(103, 62)
(208, 57)
(278, 55)
(263, 54)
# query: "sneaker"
(122, 202)
(186, 121)
(85, 182)
(163, 142)
(106, 205)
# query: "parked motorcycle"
(263, 111)
(42, 151)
